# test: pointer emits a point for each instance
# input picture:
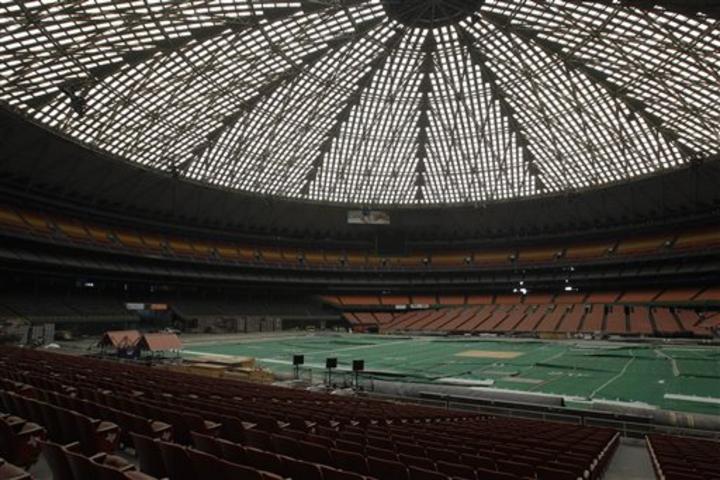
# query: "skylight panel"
(364, 104)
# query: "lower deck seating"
(9, 471)
(186, 427)
(553, 319)
(677, 458)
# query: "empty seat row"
(68, 462)
(64, 425)
(305, 436)
(678, 458)
(86, 234)
(554, 318)
(10, 471)
(19, 439)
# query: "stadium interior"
(431, 239)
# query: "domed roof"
(375, 102)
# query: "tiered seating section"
(185, 427)
(54, 228)
(672, 296)
(677, 458)
(555, 318)
(67, 309)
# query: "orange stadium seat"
(480, 299)
(516, 314)
(568, 297)
(543, 254)
(677, 295)
(317, 258)
(616, 321)
(154, 242)
(573, 320)
(248, 254)
(478, 319)
(642, 245)
(588, 250)
(394, 300)
(449, 259)
(690, 321)
(129, 239)
(665, 321)
(203, 249)
(594, 320)
(414, 260)
(10, 218)
(356, 258)
(638, 296)
(508, 299)
(451, 299)
(181, 246)
(533, 315)
(100, 235)
(333, 258)
(492, 257)
(711, 294)
(639, 320)
(229, 252)
(534, 298)
(424, 299)
(360, 300)
(710, 320)
(602, 297)
(495, 318)
(702, 238)
(271, 255)
(37, 222)
(552, 319)
(72, 229)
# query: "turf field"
(581, 370)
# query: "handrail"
(626, 427)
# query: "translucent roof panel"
(374, 102)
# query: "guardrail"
(627, 426)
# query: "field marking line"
(206, 354)
(361, 347)
(622, 372)
(675, 369)
(356, 347)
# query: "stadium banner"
(368, 217)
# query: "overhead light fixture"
(77, 102)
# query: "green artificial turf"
(588, 370)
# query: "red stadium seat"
(149, 455)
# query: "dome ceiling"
(373, 102)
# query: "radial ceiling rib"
(668, 62)
(571, 62)
(489, 77)
(267, 90)
(374, 102)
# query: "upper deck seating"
(83, 233)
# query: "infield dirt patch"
(489, 354)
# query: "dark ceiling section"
(38, 167)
